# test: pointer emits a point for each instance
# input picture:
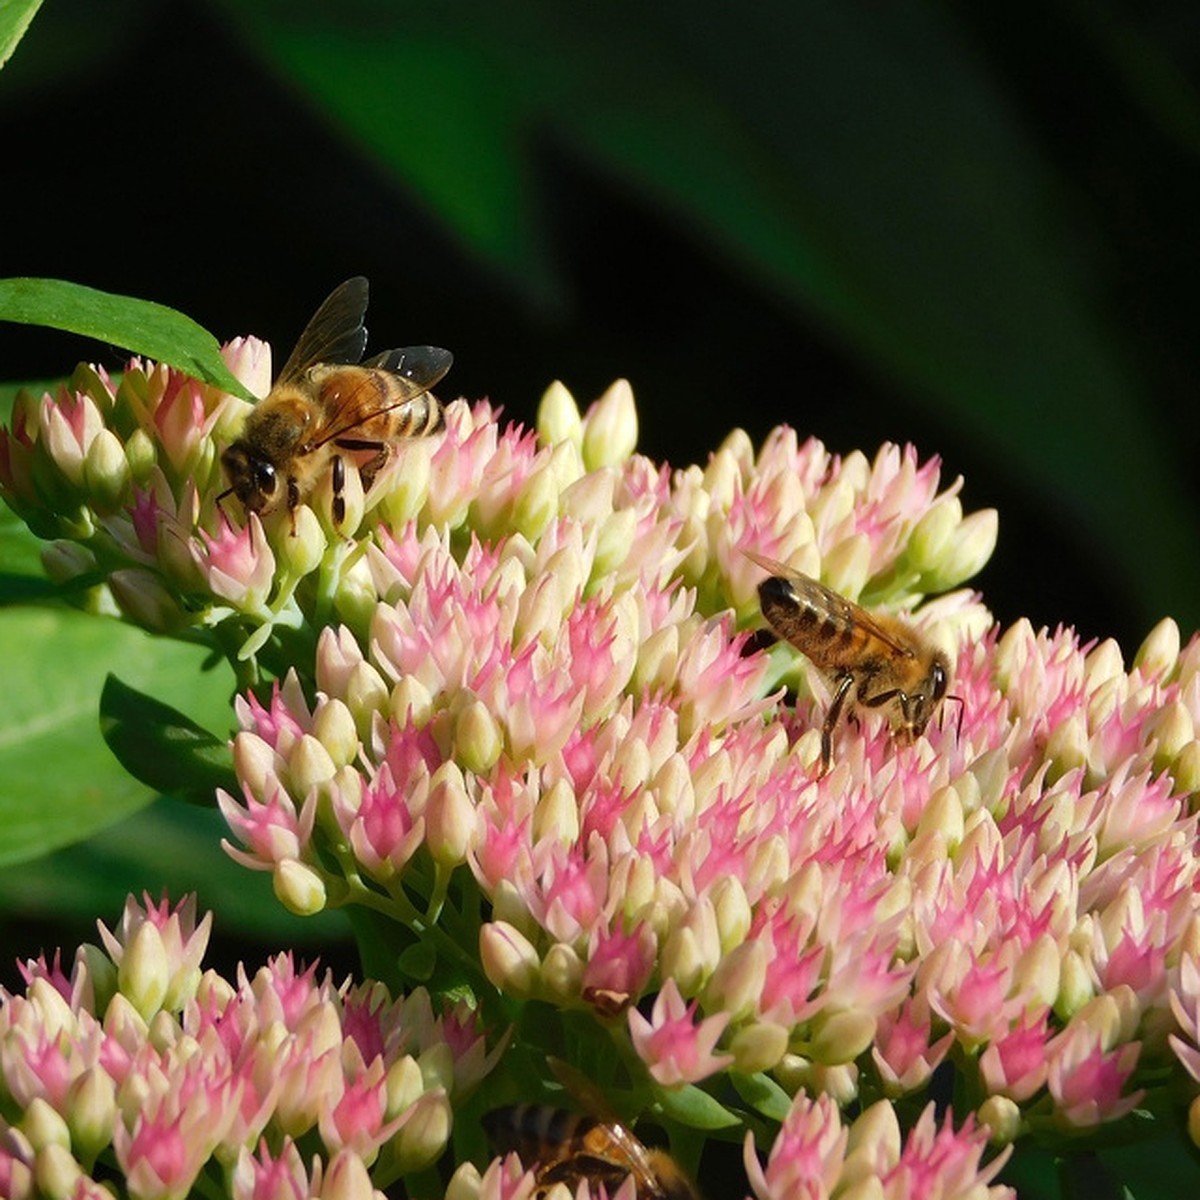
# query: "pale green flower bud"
(1158, 655)
(556, 814)
(355, 598)
(508, 905)
(90, 1110)
(407, 487)
(465, 1184)
(102, 972)
(56, 1172)
(540, 610)
(615, 541)
(737, 983)
(141, 455)
(105, 472)
(847, 567)
(509, 960)
(144, 600)
(991, 774)
(842, 1037)
(693, 948)
(423, 1137)
(943, 814)
(758, 1046)
(1186, 769)
(868, 1187)
(437, 1067)
(610, 428)
(333, 727)
(658, 661)
(1067, 747)
(562, 974)
(64, 561)
(971, 547)
(1102, 1015)
(145, 973)
(839, 1081)
(1173, 729)
(1038, 971)
(44, 1126)
(1102, 663)
(732, 908)
(309, 766)
(875, 1136)
(298, 887)
(366, 694)
(301, 551)
(450, 818)
(347, 1179)
(537, 502)
(933, 534)
(1002, 1118)
(558, 418)
(405, 1085)
(478, 740)
(590, 499)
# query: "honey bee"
(570, 1148)
(325, 401)
(881, 658)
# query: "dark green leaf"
(690, 1105)
(15, 16)
(160, 746)
(762, 1094)
(171, 846)
(59, 783)
(140, 326)
(864, 166)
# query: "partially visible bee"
(569, 1148)
(323, 402)
(883, 659)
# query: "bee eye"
(938, 676)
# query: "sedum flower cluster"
(511, 704)
(140, 1063)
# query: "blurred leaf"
(167, 845)
(20, 557)
(160, 746)
(59, 783)
(15, 16)
(694, 1107)
(861, 163)
(762, 1094)
(140, 326)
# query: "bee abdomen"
(528, 1128)
(422, 416)
(808, 618)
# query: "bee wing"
(352, 409)
(336, 333)
(422, 366)
(862, 617)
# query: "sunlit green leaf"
(694, 1107)
(762, 1094)
(59, 782)
(140, 326)
(15, 16)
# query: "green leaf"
(15, 16)
(160, 746)
(692, 1106)
(762, 1094)
(171, 846)
(140, 326)
(59, 783)
(865, 168)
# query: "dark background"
(156, 155)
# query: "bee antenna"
(962, 706)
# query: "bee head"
(920, 704)
(253, 479)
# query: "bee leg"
(845, 683)
(339, 486)
(371, 467)
(293, 500)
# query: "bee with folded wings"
(325, 403)
(569, 1148)
(874, 660)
